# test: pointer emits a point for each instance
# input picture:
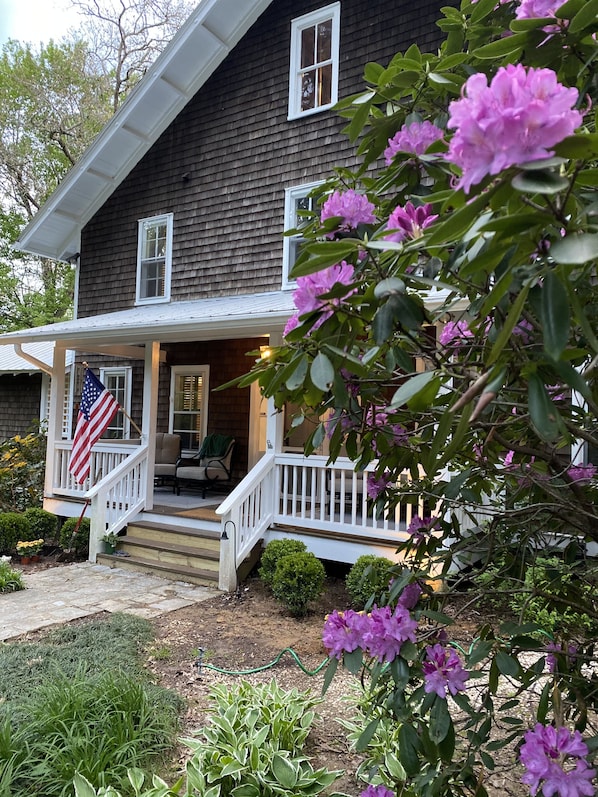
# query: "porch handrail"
(117, 498)
(106, 455)
(245, 514)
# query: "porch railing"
(105, 457)
(306, 493)
(117, 498)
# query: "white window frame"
(126, 372)
(192, 370)
(143, 226)
(291, 222)
(332, 12)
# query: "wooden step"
(189, 556)
(190, 575)
(170, 534)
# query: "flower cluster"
(380, 634)
(409, 222)
(377, 791)
(29, 547)
(350, 207)
(514, 120)
(454, 334)
(310, 289)
(377, 418)
(582, 473)
(414, 138)
(555, 759)
(420, 526)
(538, 9)
(443, 671)
(376, 485)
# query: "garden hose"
(200, 663)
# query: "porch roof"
(203, 319)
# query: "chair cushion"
(168, 448)
(199, 473)
(162, 469)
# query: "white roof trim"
(205, 319)
(12, 363)
(192, 56)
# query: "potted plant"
(29, 550)
(110, 542)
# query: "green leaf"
(575, 250)
(83, 787)
(409, 745)
(284, 771)
(394, 767)
(537, 182)
(297, 378)
(508, 665)
(329, 674)
(412, 388)
(586, 17)
(315, 257)
(353, 661)
(508, 326)
(322, 372)
(440, 720)
(384, 322)
(505, 46)
(446, 747)
(583, 146)
(543, 412)
(555, 315)
(367, 736)
(246, 790)
(388, 287)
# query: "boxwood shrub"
(13, 527)
(298, 579)
(77, 542)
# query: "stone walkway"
(60, 594)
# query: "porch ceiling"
(196, 51)
(205, 319)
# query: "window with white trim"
(154, 259)
(296, 200)
(189, 404)
(313, 77)
(118, 382)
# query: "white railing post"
(97, 527)
(227, 575)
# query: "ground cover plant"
(81, 701)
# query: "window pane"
(325, 85)
(324, 50)
(308, 44)
(308, 91)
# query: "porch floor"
(164, 498)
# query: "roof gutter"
(33, 360)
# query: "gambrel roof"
(192, 56)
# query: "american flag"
(98, 407)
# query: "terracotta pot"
(25, 560)
(35, 557)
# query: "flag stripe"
(98, 407)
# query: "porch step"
(184, 552)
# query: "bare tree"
(125, 36)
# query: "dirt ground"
(248, 630)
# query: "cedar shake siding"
(222, 166)
(20, 397)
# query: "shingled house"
(175, 218)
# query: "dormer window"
(313, 79)
(154, 259)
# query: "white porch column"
(149, 421)
(55, 416)
(274, 419)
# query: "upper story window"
(296, 199)
(154, 259)
(313, 79)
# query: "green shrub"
(274, 551)
(43, 524)
(298, 579)
(368, 579)
(75, 541)
(13, 527)
(10, 580)
(22, 467)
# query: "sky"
(35, 21)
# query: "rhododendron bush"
(447, 333)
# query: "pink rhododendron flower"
(376, 485)
(443, 671)
(581, 473)
(377, 791)
(410, 595)
(523, 330)
(414, 138)
(352, 208)
(420, 526)
(553, 649)
(310, 289)
(514, 120)
(409, 222)
(343, 631)
(539, 9)
(387, 631)
(554, 758)
(454, 334)
(377, 418)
